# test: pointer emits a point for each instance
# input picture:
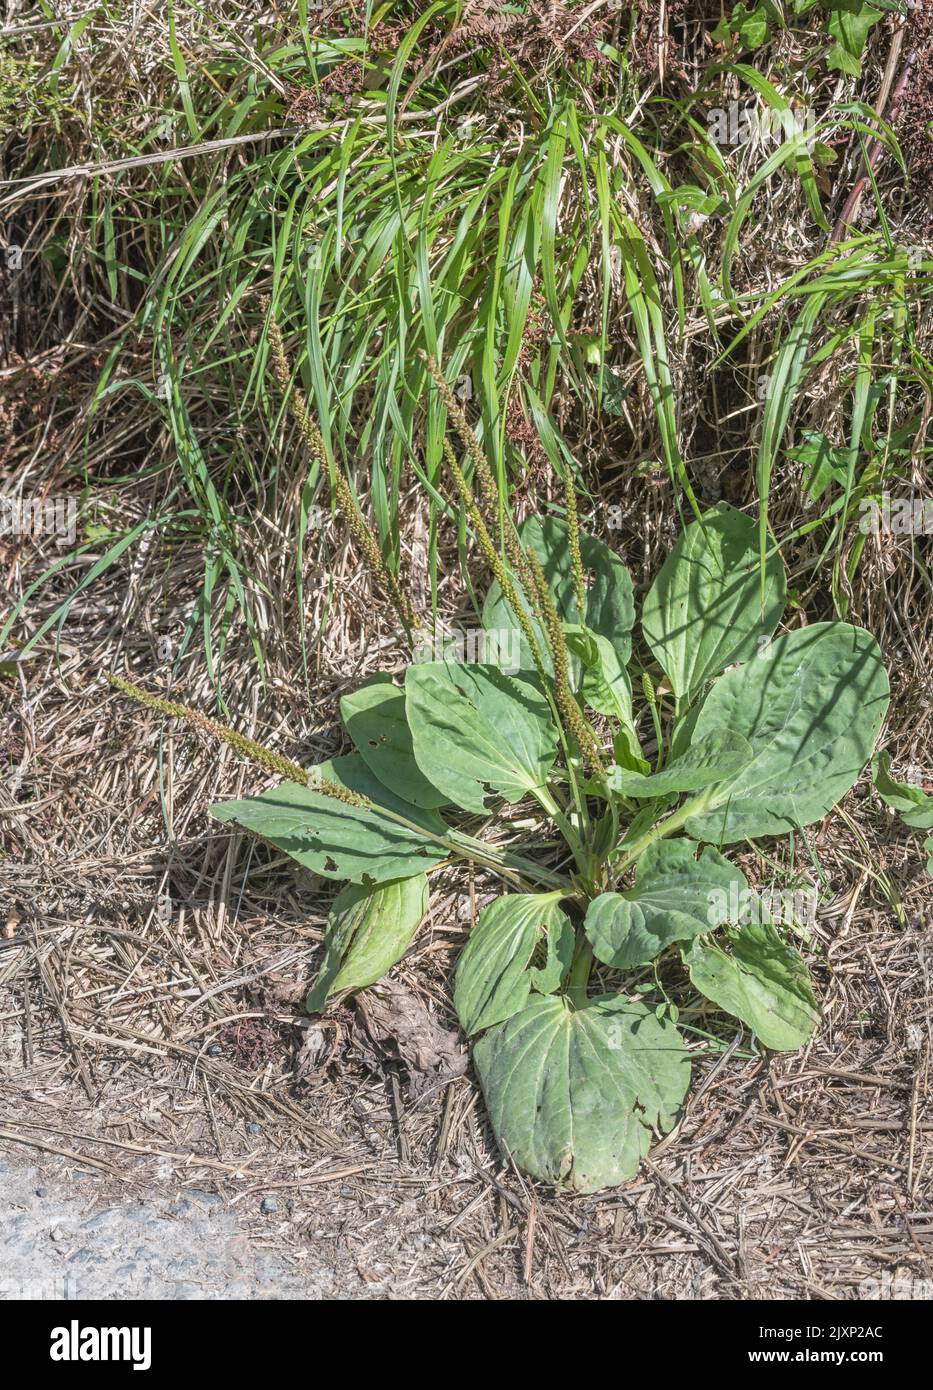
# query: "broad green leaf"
(493, 977)
(374, 717)
(913, 804)
(626, 750)
(337, 840)
(709, 759)
(573, 1093)
(605, 685)
(675, 897)
(368, 930)
(610, 604)
(811, 706)
(473, 727)
(703, 612)
(760, 980)
(682, 732)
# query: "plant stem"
(549, 802)
(648, 687)
(579, 976)
(469, 848)
(694, 807)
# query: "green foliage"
(748, 28)
(374, 717)
(561, 239)
(25, 97)
(710, 758)
(811, 705)
(473, 727)
(370, 928)
(706, 610)
(756, 976)
(574, 1092)
(670, 901)
(495, 975)
(575, 1086)
(610, 604)
(849, 22)
(822, 464)
(342, 841)
(913, 804)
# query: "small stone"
(206, 1199)
(269, 1205)
(109, 1219)
(42, 1191)
(253, 1128)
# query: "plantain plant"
(576, 1083)
(752, 735)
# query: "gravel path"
(64, 1235)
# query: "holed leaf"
(368, 930)
(374, 717)
(811, 706)
(703, 612)
(761, 980)
(474, 727)
(337, 840)
(675, 897)
(493, 977)
(573, 1092)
